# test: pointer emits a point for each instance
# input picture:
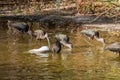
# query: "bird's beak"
(46, 35)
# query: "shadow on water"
(84, 62)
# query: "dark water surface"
(84, 62)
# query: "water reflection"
(84, 62)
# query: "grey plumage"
(61, 37)
(40, 34)
(56, 47)
(64, 39)
(90, 33)
(114, 47)
(21, 26)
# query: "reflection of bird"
(64, 39)
(56, 47)
(20, 26)
(40, 34)
(93, 35)
(114, 47)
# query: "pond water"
(84, 62)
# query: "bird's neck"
(48, 42)
(102, 41)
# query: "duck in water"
(15, 27)
(64, 40)
(114, 47)
(40, 34)
(92, 34)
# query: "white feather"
(40, 50)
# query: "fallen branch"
(101, 15)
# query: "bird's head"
(46, 35)
(102, 40)
(69, 45)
